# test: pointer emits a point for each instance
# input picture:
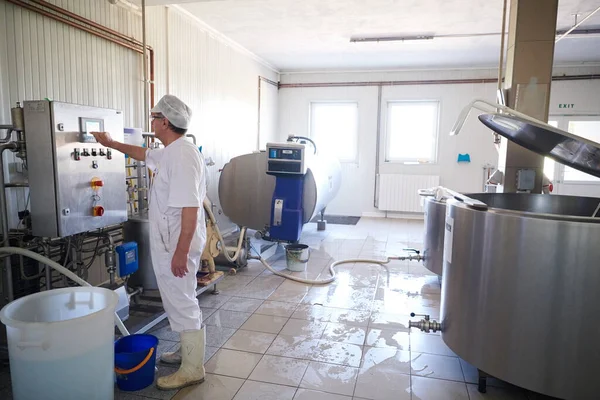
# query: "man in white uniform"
(177, 231)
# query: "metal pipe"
(75, 25)
(423, 82)
(16, 185)
(10, 295)
(378, 144)
(145, 66)
(86, 21)
(558, 39)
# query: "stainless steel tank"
(520, 290)
(137, 229)
(246, 191)
(433, 244)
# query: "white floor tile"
(242, 304)
(387, 320)
(293, 346)
(431, 344)
(290, 292)
(331, 378)
(304, 394)
(227, 319)
(214, 387)
(253, 342)
(434, 366)
(216, 336)
(344, 333)
(437, 389)
(264, 391)
(276, 308)
(279, 370)
(495, 393)
(388, 338)
(237, 364)
(308, 329)
(264, 323)
(382, 376)
(338, 353)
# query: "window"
(412, 130)
(588, 130)
(334, 127)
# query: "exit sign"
(562, 105)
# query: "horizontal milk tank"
(246, 190)
(520, 290)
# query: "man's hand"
(179, 264)
(104, 139)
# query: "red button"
(98, 211)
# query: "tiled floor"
(274, 339)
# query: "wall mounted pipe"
(76, 21)
(8, 288)
(423, 82)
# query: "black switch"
(85, 153)
(76, 154)
(94, 152)
(102, 153)
(109, 154)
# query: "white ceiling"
(313, 35)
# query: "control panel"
(76, 184)
(286, 158)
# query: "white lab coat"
(179, 181)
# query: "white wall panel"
(358, 179)
(218, 82)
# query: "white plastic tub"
(61, 344)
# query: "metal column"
(531, 37)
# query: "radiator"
(399, 192)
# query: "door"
(567, 180)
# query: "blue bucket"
(135, 359)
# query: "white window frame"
(388, 136)
(336, 102)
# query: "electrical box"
(286, 158)
(76, 185)
(128, 258)
(525, 179)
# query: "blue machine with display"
(286, 161)
(128, 258)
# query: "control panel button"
(76, 154)
(97, 183)
(95, 164)
(85, 153)
(102, 153)
(94, 152)
(109, 154)
(97, 211)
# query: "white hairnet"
(175, 110)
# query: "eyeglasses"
(153, 117)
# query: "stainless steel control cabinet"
(76, 185)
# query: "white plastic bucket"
(61, 344)
(296, 257)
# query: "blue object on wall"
(128, 258)
(289, 190)
(464, 158)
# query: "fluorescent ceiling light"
(356, 39)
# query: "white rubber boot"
(172, 357)
(191, 371)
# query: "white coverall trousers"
(178, 294)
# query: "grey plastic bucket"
(296, 257)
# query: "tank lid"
(561, 146)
